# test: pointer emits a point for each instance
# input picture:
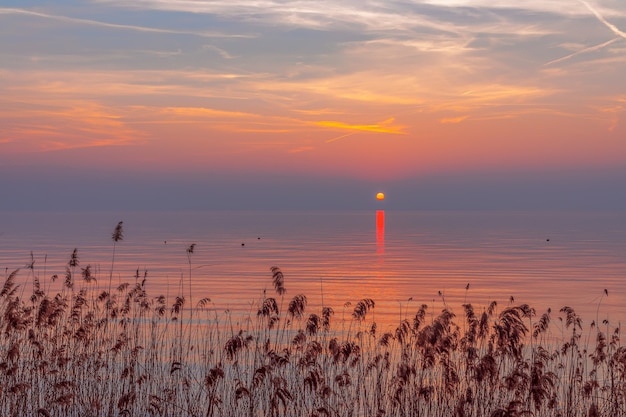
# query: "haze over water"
(391, 257)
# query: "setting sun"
(380, 196)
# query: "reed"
(86, 351)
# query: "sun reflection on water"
(501, 255)
(380, 232)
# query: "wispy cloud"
(582, 51)
(386, 126)
(223, 53)
(429, 63)
(205, 34)
(202, 112)
(601, 18)
(453, 120)
(614, 110)
(621, 35)
(298, 13)
(318, 112)
(560, 7)
(340, 137)
(492, 95)
(301, 149)
(66, 125)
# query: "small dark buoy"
(165, 242)
(243, 244)
(547, 240)
(259, 238)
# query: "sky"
(280, 104)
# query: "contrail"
(590, 49)
(340, 137)
(609, 25)
(606, 23)
(5, 10)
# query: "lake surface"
(399, 259)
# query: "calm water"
(390, 257)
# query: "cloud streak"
(66, 125)
(340, 137)
(296, 13)
(601, 18)
(621, 35)
(382, 127)
(13, 11)
(453, 120)
(582, 51)
(461, 77)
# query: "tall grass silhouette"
(86, 351)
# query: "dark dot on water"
(259, 238)
(547, 240)
(243, 244)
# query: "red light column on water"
(380, 231)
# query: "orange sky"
(353, 91)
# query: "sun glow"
(380, 196)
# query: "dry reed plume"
(85, 351)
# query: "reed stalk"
(124, 352)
